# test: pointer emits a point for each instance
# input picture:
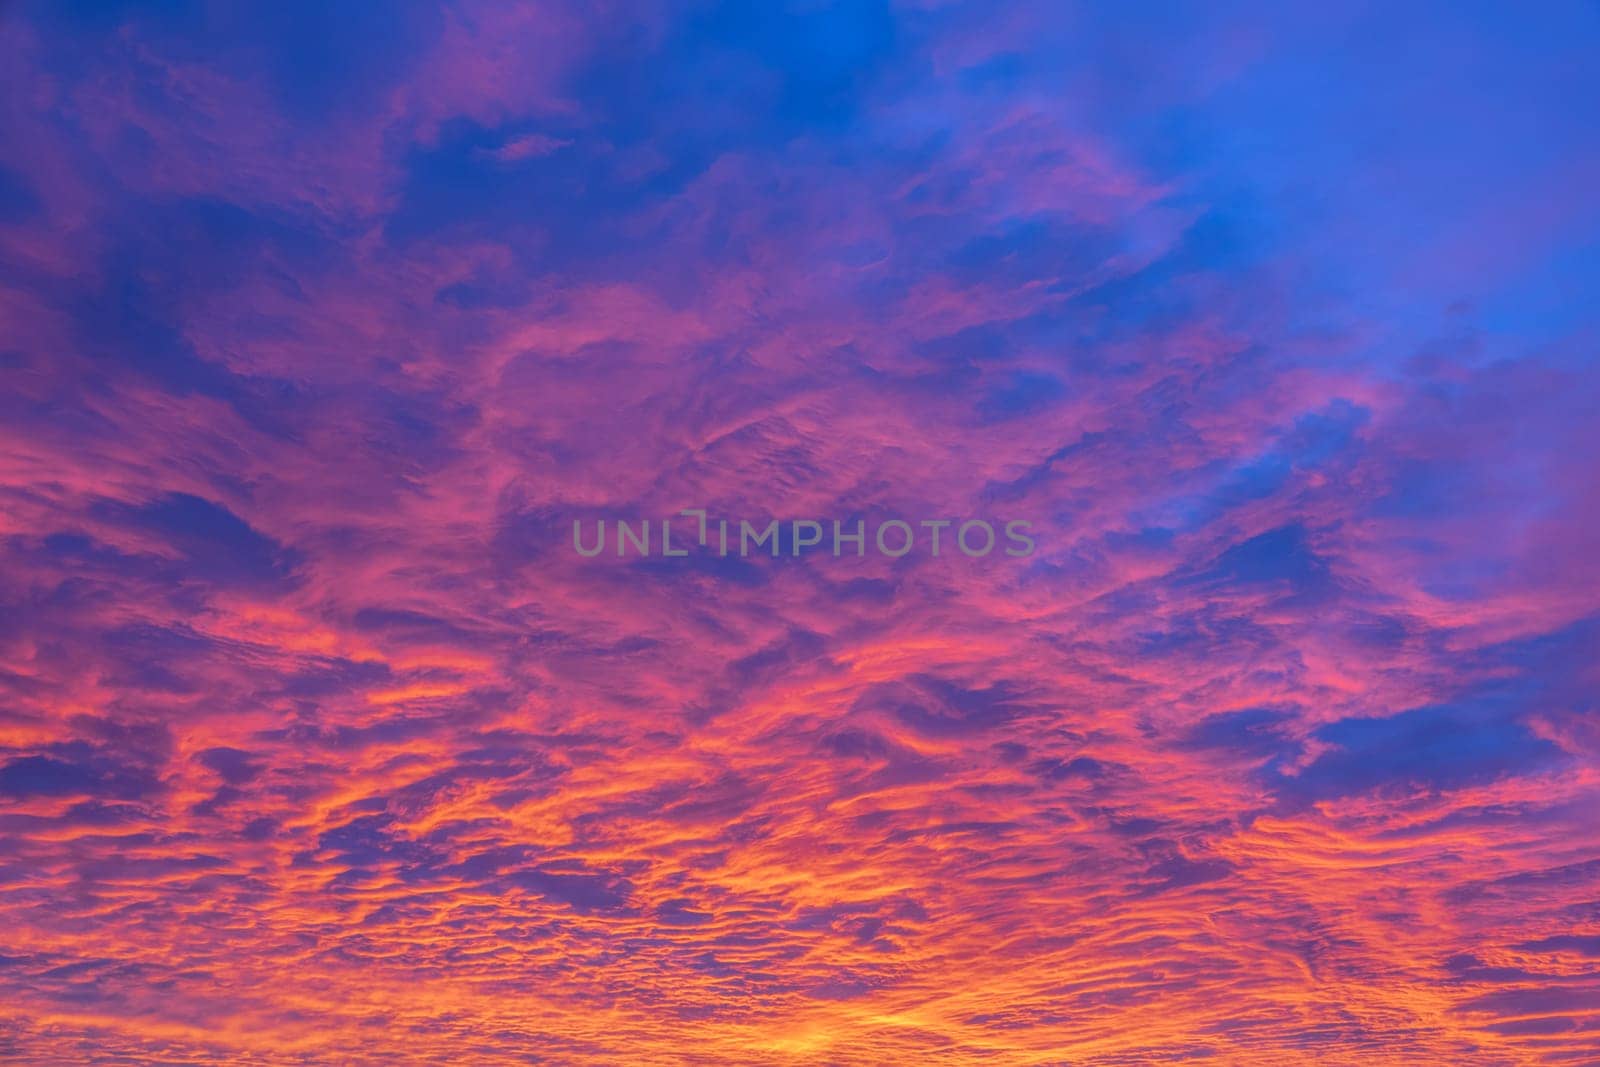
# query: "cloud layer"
(319, 744)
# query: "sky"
(321, 325)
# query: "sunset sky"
(322, 323)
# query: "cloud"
(319, 744)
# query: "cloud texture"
(320, 323)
